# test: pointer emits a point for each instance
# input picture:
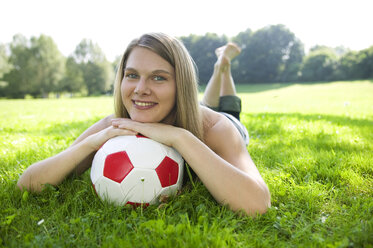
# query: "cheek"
(125, 89)
(173, 93)
(125, 92)
(122, 87)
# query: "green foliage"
(17, 78)
(348, 66)
(365, 63)
(50, 65)
(268, 55)
(319, 65)
(5, 66)
(311, 143)
(73, 80)
(97, 72)
(243, 38)
(271, 54)
(37, 67)
(202, 50)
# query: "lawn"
(312, 144)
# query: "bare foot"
(225, 54)
(230, 51)
(219, 51)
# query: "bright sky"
(112, 24)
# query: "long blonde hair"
(187, 109)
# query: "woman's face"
(148, 87)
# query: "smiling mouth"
(144, 105)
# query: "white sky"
(112, 24)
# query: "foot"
(230, 51)
(225, 54)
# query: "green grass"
(312, 144)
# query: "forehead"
(145, 59)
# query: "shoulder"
(220, 134)
(225, 140)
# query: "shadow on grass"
(363, 125)
(308, 165)
(254, 88)
(260, 87)
(306, 150)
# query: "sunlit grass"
(312, 144)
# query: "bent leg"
(212, 91)
(221, 82)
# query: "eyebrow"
(154, 72)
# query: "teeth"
(144, 104)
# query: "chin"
(144, 119)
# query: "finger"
(129, 126)
(113, 131)
(120, 131)
(114, 121)
(120, 123)
(118, 120)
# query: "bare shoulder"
(220, 134)
(225, 140)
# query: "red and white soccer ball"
(136, 170)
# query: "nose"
(142, 87)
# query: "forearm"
(228, 184)
(240, 189)
(54, 169)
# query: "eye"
(159, 78)
(131, 75)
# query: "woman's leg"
(221, 82)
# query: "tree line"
(272, 54)
(275, 54)
(36, 67)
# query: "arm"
(77, 157)
(226, 168)
(97, 127)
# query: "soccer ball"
(136, 170)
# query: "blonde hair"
(187, 109)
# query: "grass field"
(312, 144)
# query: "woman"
(156, 95)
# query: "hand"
(163, 133)
(96, 140)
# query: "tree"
(347, 67)
(37, 68)
(239, 70)
(202, 50)
(243, 38)
(364, 65)
(272, 54)
(73, 80)
(292, 61)
(5, 67)
(319, 64)
(21, 72)
(48, 65)
(97, 72)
